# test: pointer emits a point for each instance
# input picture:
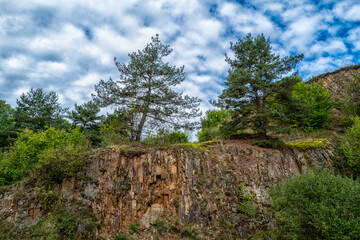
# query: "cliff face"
(199, 187)
(336, 82)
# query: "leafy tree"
(166, 137)
(256, 74)
(351, 145)
(85, 115)
(144, 89)
(7, 124)
(316, 105)
(118, 127)
(317, 205)
(304, 106)
(52, 153)
(210, 124)
(37, 109)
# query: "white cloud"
(67, 40)
(348, 10)
(325, 64)
(245, 20)
(302, 32)
(354, 37)
(16, 63)
(89, 80)
(333, 46)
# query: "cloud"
(246, 20)
(302, 32)
(69, 46)
(348, 10)
(353, 38)
(333, 46)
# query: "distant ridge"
(351, 67)
(337, 81)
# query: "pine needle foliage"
(256, 74)
(144, 88)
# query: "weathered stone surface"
(194, 186)
(336, 82)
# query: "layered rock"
(336, 82)
(191, 184)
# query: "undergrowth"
(308, 143)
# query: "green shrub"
(317, 205)
(121, 236)
(268, 143)
(210, 125)
(351, 145)
(316, 105)
(53, 154)
(64, 221)
(164, 137)
(245, 205)
(308, 143)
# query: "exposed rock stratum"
(194, 186)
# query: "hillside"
(337, 81)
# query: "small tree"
(316, 105)
(37, 109)
(7, 124)
(211, 123)
(119, 126)
(351, 145)
(144, 89)
(85, 115)
(256, 74)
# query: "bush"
(317, 205)
(117, 128)
(210, 125)
(351, 145)
(316, 104)
(164, 137)
(308, 143)
(268, 143)
(53, 154)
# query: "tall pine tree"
(144, 89)
(256, 75)
(38, 109)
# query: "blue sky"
(67, 46)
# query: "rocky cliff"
(188, 191)
(336, 82)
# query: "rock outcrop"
(336, 82)
(200, 185)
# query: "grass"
(310, 143)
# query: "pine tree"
(85, 115)
(144, 89)
(37, 109)
(256, 75)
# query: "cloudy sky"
(68, 45)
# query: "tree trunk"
(263, 121)
(141, 125)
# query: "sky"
(67, 46)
